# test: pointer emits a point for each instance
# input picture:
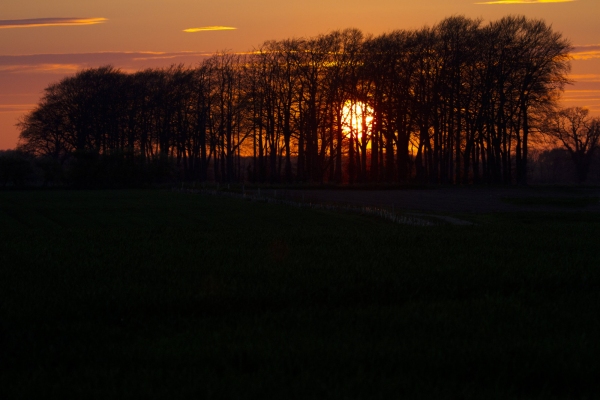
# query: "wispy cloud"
(526, 1)
(588, 96)
(37, 22)
(69, 63)
(210, 28)
(585, 77)
(49, 68)
(169, 56)
(580, 99)
(16, 108)
(586, 55)
(581, 94)
(586, 52)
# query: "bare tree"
(578, 134)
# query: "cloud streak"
(586, 52)
(69, 63)
(210, 28)
(526, 1)
(16, 108)
(41, 68)
(41, 22)
(585, 77)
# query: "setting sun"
(71, 39)
(276, 199)
(357, 119)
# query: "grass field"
(152, 294)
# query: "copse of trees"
(455, 103)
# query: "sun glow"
(357, 119)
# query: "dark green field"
(166, 295)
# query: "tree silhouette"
(578, 134)
(454, 103)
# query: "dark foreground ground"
(128, 294)
(466, 200)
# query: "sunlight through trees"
(454, 103)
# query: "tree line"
(456, 103)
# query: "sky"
(43, 41)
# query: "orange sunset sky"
(43, 41)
